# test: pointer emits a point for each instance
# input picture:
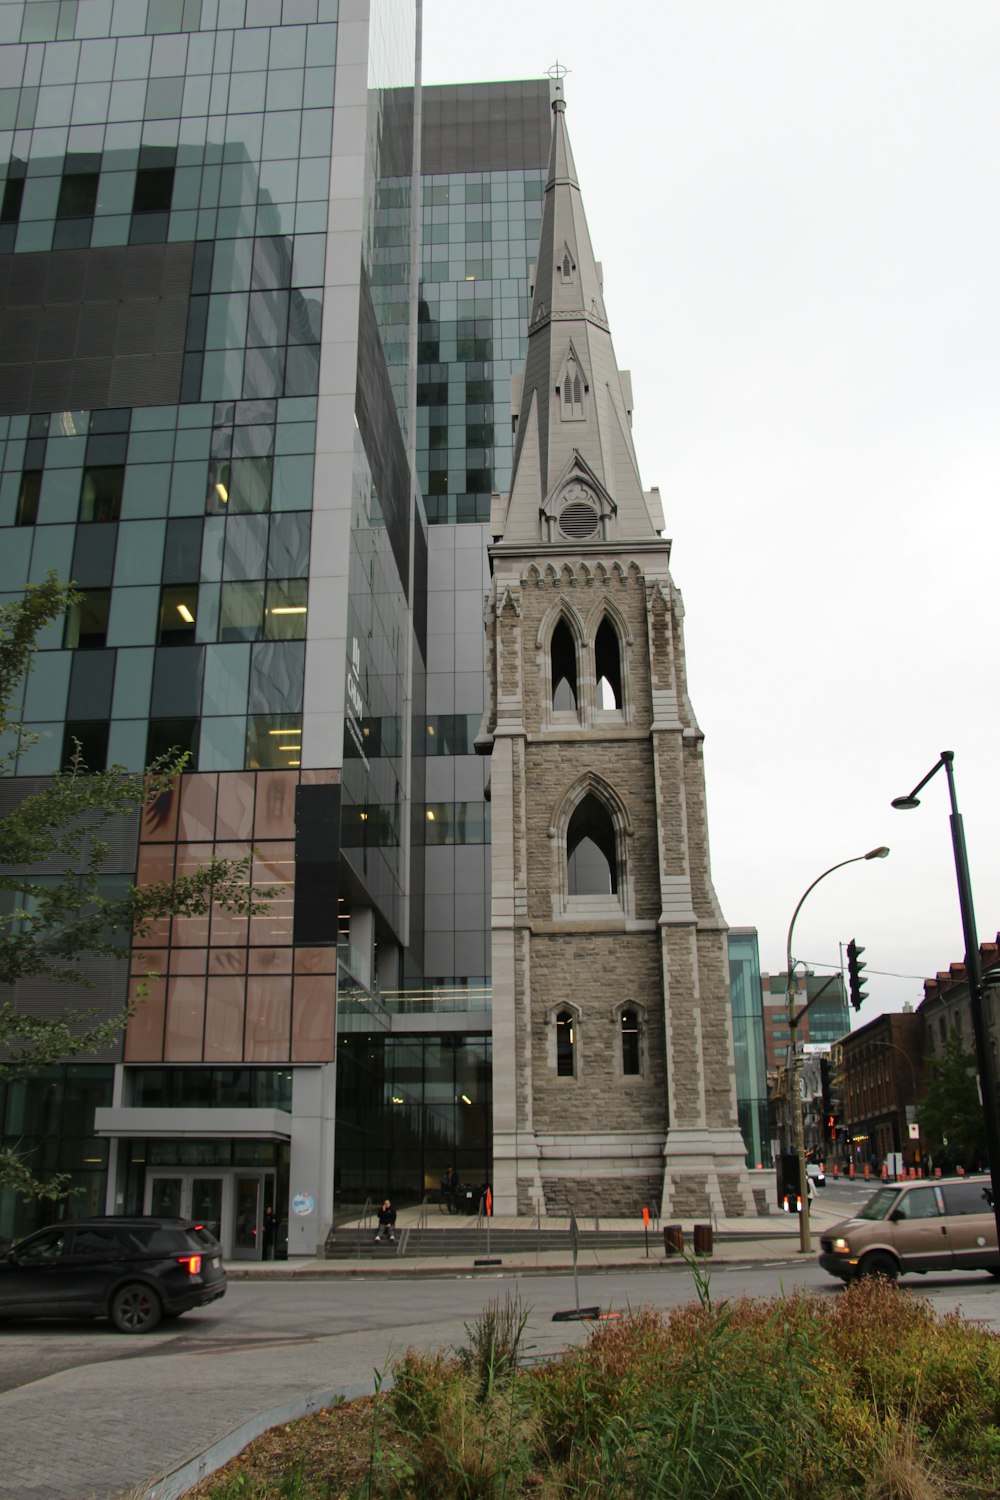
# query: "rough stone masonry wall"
(585, 588)
(550, 771)
(603, 1197)
(596, 972)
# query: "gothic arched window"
(591, 860)
(608, 662)
(563, 657)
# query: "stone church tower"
(613, 1077)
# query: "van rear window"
(965, 1197)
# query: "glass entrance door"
(247, 1236)
(206, 1203)
(254, 1220)
(184, 1195)
(165, 1197)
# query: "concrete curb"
(416, 1271)
(177, 1482)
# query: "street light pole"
(973, 968)
(795, 1077)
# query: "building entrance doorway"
(229, 1204)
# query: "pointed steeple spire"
(574, 442)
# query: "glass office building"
(207, 292)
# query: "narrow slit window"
(607, 655)
(565, 1044)
(564, 694)
(630, 1042)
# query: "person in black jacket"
(387, 1222)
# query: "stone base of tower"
(608, 1174)
(517, 1185)
(705, 1173)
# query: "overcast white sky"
(796, 207)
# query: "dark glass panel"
(10, 208)
(154, 187)
(178, 611)
(101, 493)
(87, 620)
(27, 498)
(77, 195)
(90, 737)
(173, 737)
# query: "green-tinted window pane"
(133, 682)
(127, 744)
(139, 558)
(241, 613)
(222, 743)
(227, 669)
(293, 481)
(41, 756)
(134, 614)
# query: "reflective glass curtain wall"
(485, 153)
(748, 1045)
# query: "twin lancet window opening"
(607, 665)
(628, 1025)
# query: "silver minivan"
(947, 1225)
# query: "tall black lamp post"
(973, 969)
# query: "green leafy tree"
(51, 923)
(951, 1116)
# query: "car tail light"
(193, 1263)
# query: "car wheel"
(136, 1309)
(879, 1264)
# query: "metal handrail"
(366, 1222)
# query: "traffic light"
(854, 974)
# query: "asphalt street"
(86, 1413)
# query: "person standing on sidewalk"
(386, 1222)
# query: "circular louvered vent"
(578, 520)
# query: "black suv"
(134, 1271)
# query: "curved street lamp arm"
(808, 890)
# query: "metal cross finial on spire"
(557, 73)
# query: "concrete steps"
(470, 1241)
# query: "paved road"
(88, 1412)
